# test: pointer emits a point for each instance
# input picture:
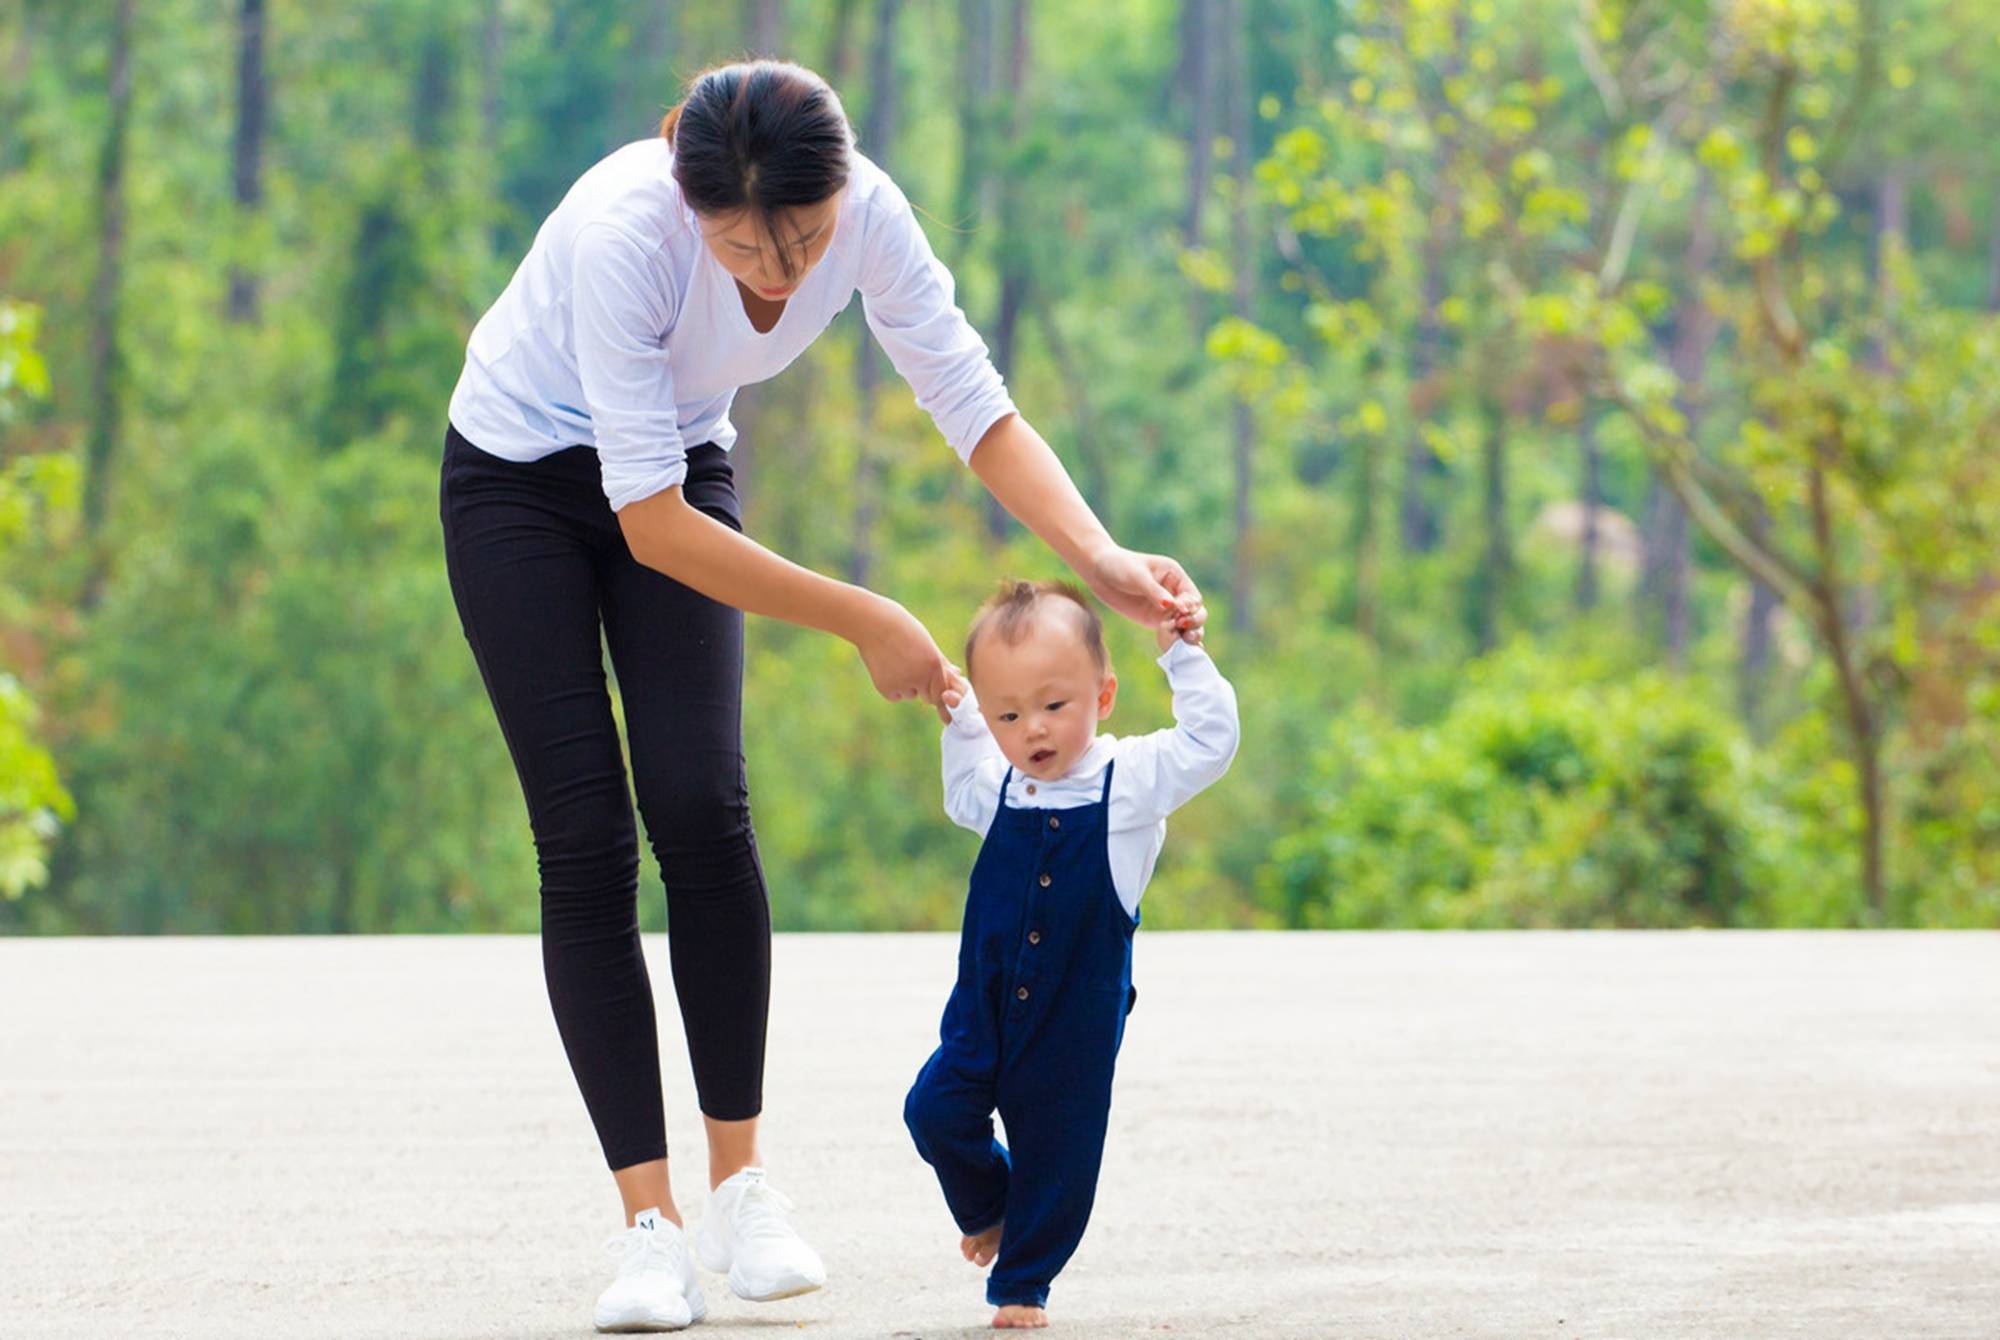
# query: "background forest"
(1583, 417)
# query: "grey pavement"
(1407, 1135)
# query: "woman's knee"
(692, 818)
(588, 852)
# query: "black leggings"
(537, 565)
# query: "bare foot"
(979, 1248)
(1019, 1314)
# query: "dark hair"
(1010, 608)
(764, 135)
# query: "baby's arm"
(973, 765)
(1159, 773)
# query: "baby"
(1073, 823)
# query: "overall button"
(1054, 822)
(1020, 993)
(1034, 937)
(1046, 881)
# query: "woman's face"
(740, 243)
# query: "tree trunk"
(1199, 60)
(877, 133)
(878, 127)
(1663, 538)
(975, 114)
(492, 50)
(1367, 543)
(839, 68)
(1013, 263)
(1422, 531)
(1096, 484)
(14, 147)
(1861, 719)
(1892, 231)
(1754, 664)
(767, 28)
(251, 107)
(1499, 559)
(649, 79)
(1242, 592)
(1668, 554)
(1242, 263)
(1593, 500)
(431, 97)
(1993, 261)
(107, 364)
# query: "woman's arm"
(1020, 470)
(908, 296)
(664, 532)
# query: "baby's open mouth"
(1041, 756)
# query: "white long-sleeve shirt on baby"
(1156, 775)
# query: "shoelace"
(760, 1213)
(637, 1249)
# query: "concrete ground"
(1565, 1135)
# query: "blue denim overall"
(1032, 1029)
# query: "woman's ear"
(1107, 694)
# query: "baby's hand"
(955, 687)
(1180, 622)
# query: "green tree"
(38, 496)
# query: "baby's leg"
(1055, 1126)
(949, 1111)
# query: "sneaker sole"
(643, 1327)
(697, 1309)
(784, 1291)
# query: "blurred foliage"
(1468, 234)
(37, 494)
(1551, 794)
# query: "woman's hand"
(902, 658)
(1018, 468)
(1149, 589)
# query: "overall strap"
(1104, 793)
(1006, 782)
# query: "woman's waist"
(525, 413)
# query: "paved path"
(1579, 1136)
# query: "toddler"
(1073, 822)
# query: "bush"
(1540, 798)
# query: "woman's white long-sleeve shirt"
(1156, 774)
(622, 331)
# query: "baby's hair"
(1013, 604)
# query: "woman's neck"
(763, 312)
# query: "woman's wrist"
(1025, 475)
(856, 611)
(1089, 560)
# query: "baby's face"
(1043, 696)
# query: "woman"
(586, 486)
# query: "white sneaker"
(655, 1289)
(744, 1231)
